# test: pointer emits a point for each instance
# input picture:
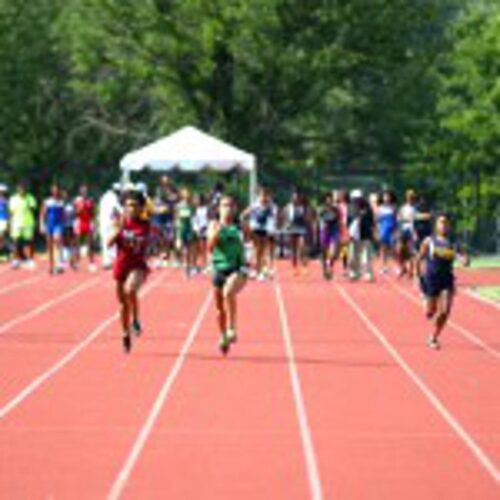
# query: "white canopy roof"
(188, 149)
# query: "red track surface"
(373, 413)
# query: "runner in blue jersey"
(52, 225)
(437, 279)
(387, 224)
(4, 221)
(259, 214)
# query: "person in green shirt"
(225, 243)
(186, 237)
(22, 206)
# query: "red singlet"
(84, 208)
(132, 244)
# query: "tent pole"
(253, 184)
(125, 179)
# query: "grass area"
(490, 292)
(490, 261)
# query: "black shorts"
(220, 278)
(260, 233)
(433, 286)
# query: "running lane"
(229, 427)
(24, 299)
(477, 318)
(375, 435)
(32, 345)
(462, 376)
(71, 436)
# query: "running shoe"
(231, 336)
(327, 274)
(433, 343)
(136, 327)
(224, 344)
(127, 343)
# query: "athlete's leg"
(124, 307)
(234, 284)
(445, 304)
(134, 281)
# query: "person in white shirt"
(109, 209)
(407, 238)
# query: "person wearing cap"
(109, 212)
(4, 221)
(22, 206)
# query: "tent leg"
(125, 179)
(253, 184)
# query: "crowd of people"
(208, 232)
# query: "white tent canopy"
(190, 150)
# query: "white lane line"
(47, 305)
(19, 284)
(455, 326)
(305, 431)
(146, 429)
(482, 457)
(40, 380)
(479, 298)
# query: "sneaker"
(433, 343)
(136, 327)
(127, 343)
(92, 268)
(15, 264)
(327, 274)
(224, 344)
(231, 336)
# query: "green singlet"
(228, 253)
(185, 228)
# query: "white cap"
(3, 188)
(117, 186)
(356, 193)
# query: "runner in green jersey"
(228, 260)
(186, 237)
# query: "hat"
(141, 187)
(117, 186)
(3, 188)
(356, 193)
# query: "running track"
(330, 393)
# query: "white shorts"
(3, 227)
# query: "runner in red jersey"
(132, 237)
(84, 225)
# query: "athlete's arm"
(43, 212)
(116, 233)
(213, 235)
(420, 257)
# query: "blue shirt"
(54, 212)
(387, 219)
(4, 210)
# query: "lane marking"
(47, 305)
(455, 326)
(19, 284)
(482, 457)
(45, 376)
(145, 431)
(305, 431)
(483, 300)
